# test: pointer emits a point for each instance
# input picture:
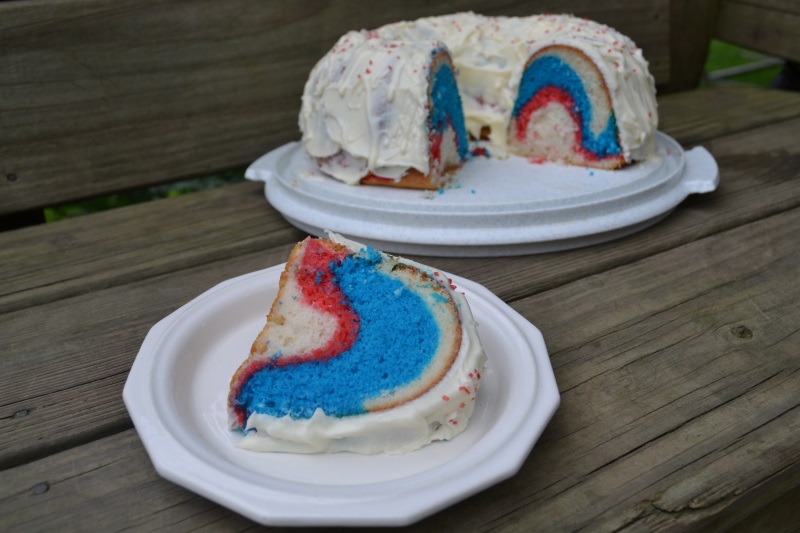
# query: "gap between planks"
(97, 330)
(681, 439)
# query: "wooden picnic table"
(676, 350)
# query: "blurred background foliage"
(731, 65)
(54, 214)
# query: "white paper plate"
(176, 395)
(494, 206)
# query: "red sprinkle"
(446, 398)
(462, 388)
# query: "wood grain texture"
(100, 96)
(786, 6)
(678, 376)
(696, 116)
(64, 363)
(114, 474)
(769, 27)
(685, 361)
(92, 336)
(45, 263)
(759, 171)
(81, 254)
(675, 350)
(692, 25)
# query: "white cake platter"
(493, 206)
(176, 394)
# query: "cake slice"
(362, 352)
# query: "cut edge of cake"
(569, 117)
(447, 135)
(436, 408)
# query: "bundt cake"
(362, 352)
(400, 104)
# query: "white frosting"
(439, 414)
(387, 129)
(364, 107)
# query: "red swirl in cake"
(367, 105)
(358, 345)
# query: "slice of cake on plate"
(362, 352)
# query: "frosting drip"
(378, 119)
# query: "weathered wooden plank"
(697, 116)
(48, 262)
(119, 463)
(692, 25)
(56, 261)
(103, 95)
(678, 376)
(671, 411)
(769, 27)
(64, 364)
(93, 337)
(759, 172)
(786, 6)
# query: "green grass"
(721, 55)
(54, 214)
